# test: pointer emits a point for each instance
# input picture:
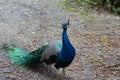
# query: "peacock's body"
(61, 54)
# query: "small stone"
(33, 32)
(19, 37)
(118, 18)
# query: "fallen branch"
(4, 66)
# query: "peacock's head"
(65, 24)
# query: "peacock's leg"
(64, 73)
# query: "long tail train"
(22, 57)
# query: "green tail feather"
(23, 57)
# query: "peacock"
(61, 54)
(67, 53)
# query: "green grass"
(78, 10)
(82, 7)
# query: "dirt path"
(31, 23)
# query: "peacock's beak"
(68, 22)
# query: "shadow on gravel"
(49, 71)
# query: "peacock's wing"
(51, 52)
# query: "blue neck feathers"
(68, 51)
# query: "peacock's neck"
(68, 50)
(65, 39)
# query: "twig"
(116, 65)
(12, 70)
(4, 66)
(14, 77)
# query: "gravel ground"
(32, 23)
